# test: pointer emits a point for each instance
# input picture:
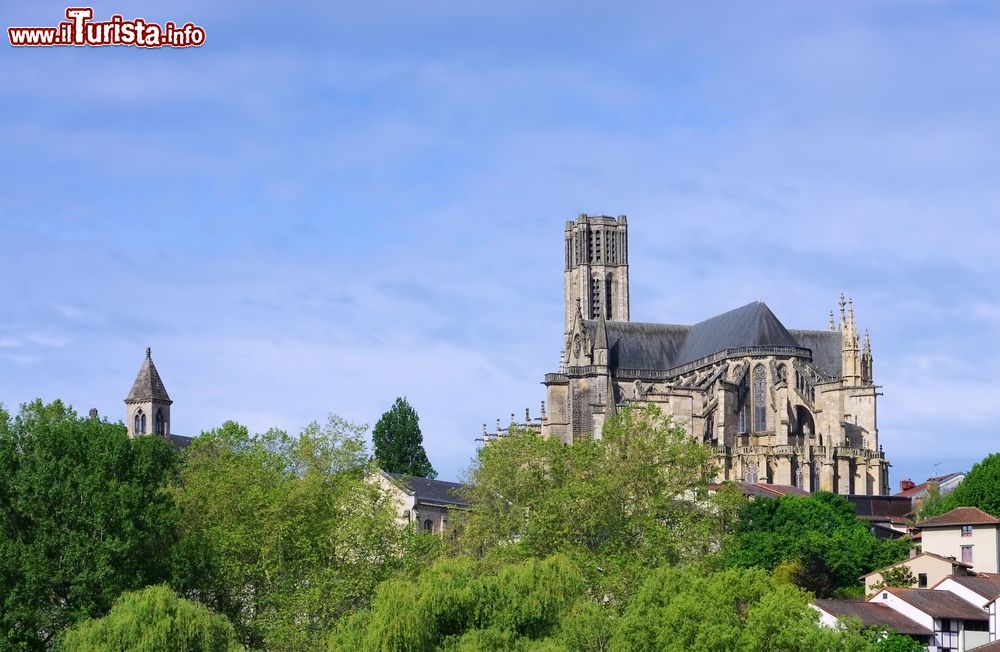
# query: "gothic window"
(799, 478)
(595, 298)
(158, 426)
(815, 474)
(741, 421)
(140, 423)
(759, 402)
(607, 298)
(752, 475)
(709, 428)
(429, 526)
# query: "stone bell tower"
(147, 407)
(596, 268)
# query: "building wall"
(936, 569)
(948, 542)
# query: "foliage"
(820, 531)
(283, 535)
(399, 446)
(980, 488)
(84, 515)
(635, 499)
(931, 505)
(900, 576)
(456, 605)
(734, 609)
(150, 620)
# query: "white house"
(982, 590)
(427, 504)
(956, 625)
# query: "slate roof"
(960, 516)
(939, 604)
(645, 346)
(180, 442)
(148, 385)
(873, 614)
(751, 325)
(984, 584)
(432, 491)
(826, 350)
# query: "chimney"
(906, 484)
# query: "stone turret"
(147, 406)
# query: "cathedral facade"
(776, 405)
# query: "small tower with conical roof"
(147, 406)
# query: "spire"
(601, 342)
(832, 327)
(850, 314)
(843, 317)
(148, 386)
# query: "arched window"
(143, 429)
(595, 297)
(607, 298)
(158, 424)
(752, 476)
(759, 403)
(799, 478)
(429, 526)
(709, 428)
(140, 423)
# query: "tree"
(980, 488)
(154, 618)
(900, 576)
(735, 609)
(634, 500)
(84, 515)
(821, 532)
(462, 604)
(283, 535)
(399, 446)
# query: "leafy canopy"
(84, 515)
(980, 488)
(150, 620)
(832, 547)
(283, 534)
(399, 446)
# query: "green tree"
(84, 515)
(980, 488)
(399, 446)
(635, 499)
(150, 620)
(900, 576)
(462, 604)
(820, 531)
(735, 609)
(283, 535)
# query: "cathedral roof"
(643, 346)
(751, 325)
(148, 385)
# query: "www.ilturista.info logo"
(79, 30)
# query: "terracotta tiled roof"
(763, 490)
(939, 604)
(951, 560)
(923, 485)
(872, 614)
(960, 516)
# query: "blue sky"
(328, 206)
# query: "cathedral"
(776, 405)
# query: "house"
(426, 503)
(871, 614)
(928, 568)
(956, 625)
(966, 533)
(980, 589)
(917, 493)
